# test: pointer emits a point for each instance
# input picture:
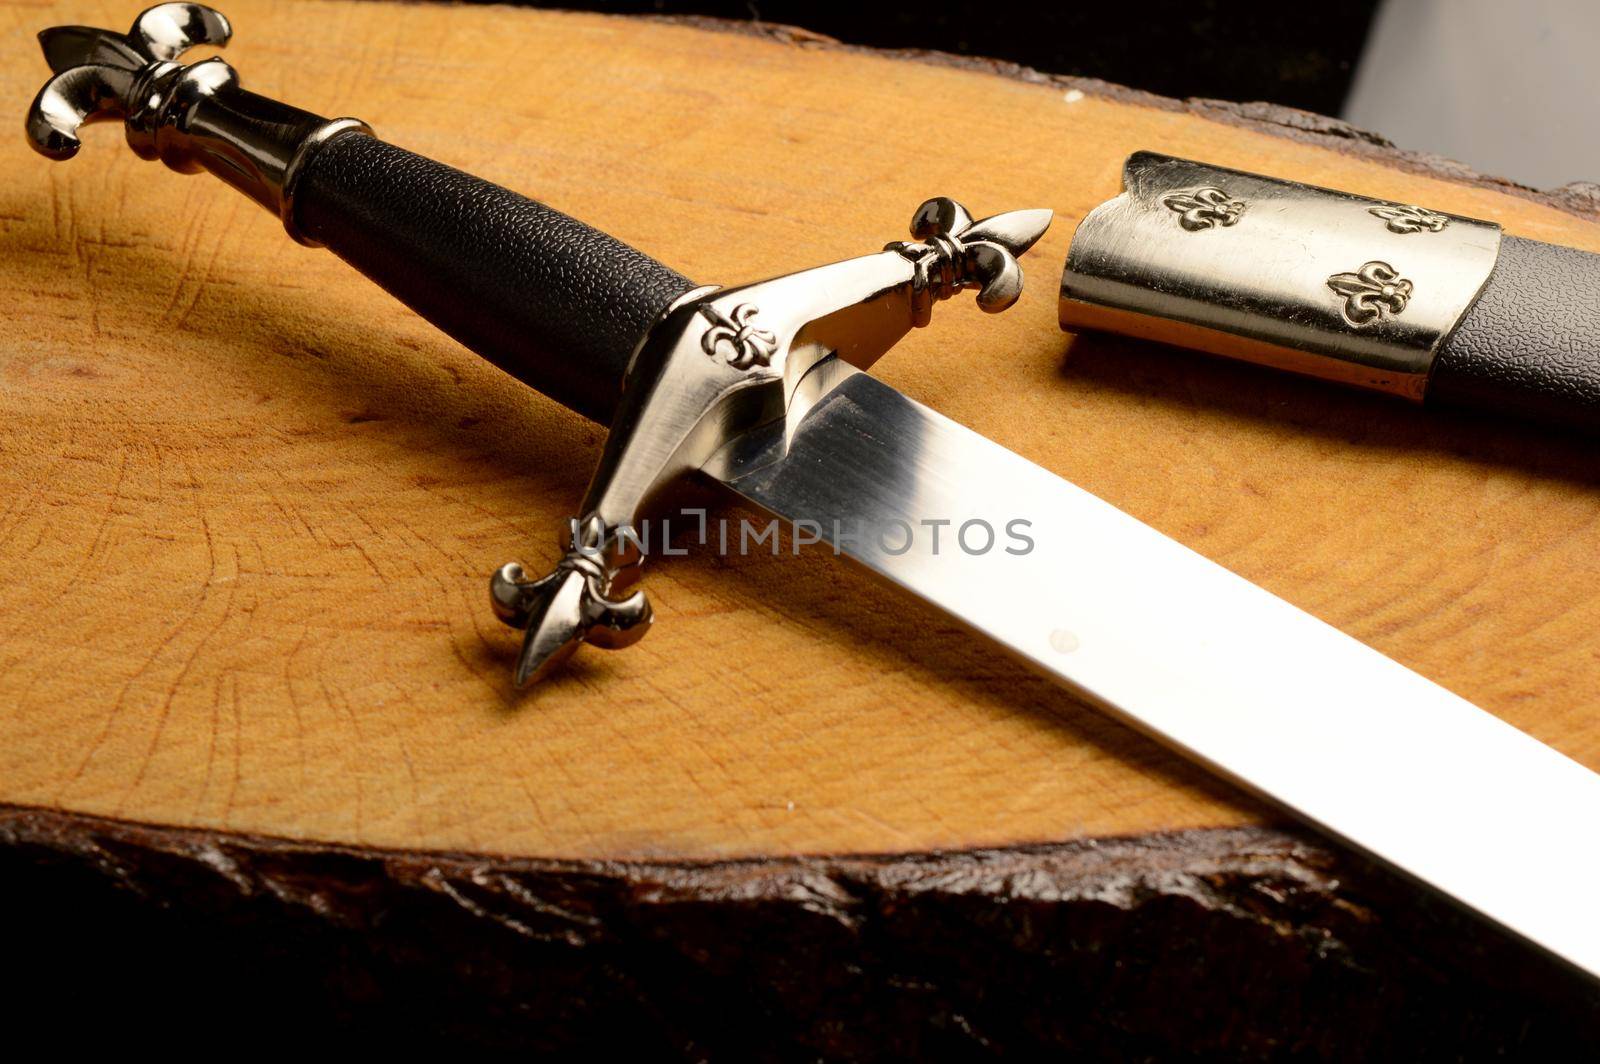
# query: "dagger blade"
(1175, 645)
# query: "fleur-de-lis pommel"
(103, 74)
(193, 117)
(1204, 208)
(955, 253)
(575, 603)
(1371, 293)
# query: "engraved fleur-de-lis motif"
(1371, 293)
(1408, 219)
(1204, 208)
(741, 343)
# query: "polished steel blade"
(1203, 660)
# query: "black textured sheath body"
(1530, 345)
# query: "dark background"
(1297, 54)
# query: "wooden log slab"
(261, 755)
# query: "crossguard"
(98, 73)
(722, 362)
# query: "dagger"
(1432, 307)
(761, 387)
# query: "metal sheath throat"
(1323, 283)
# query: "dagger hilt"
(676, 371)
(190, 116)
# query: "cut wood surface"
(249, 505)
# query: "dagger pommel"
(192, 117)
(98, 73)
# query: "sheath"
(1434, 307)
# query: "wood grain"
(248, 505)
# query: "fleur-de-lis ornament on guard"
(578, 602)
(743, 344)
(953, 252)
(1371, 293)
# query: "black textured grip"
(1530, 346)
(546, 298)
